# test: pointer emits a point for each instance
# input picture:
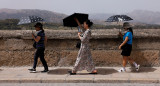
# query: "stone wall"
(16, 47)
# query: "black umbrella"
(70, 22)
(119, 18)
(30, 19)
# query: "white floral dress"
(84, 59)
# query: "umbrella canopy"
(118, 18)
(30, 19)
(70, 22)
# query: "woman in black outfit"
(40, 40)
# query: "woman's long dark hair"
(131, 30)
(42, 29)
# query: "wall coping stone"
(72, 34)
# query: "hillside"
(139, 16)
(143, 16)
(17, 14)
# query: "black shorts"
(126, 50)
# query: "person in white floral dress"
(84, 59)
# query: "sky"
(84, 6)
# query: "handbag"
(34, 45)
(78, 45)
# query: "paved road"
(78, 84)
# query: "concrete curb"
(80, 80)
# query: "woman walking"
(84, 59)
(126, 46)
(40, 40)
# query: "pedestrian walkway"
(60, 75)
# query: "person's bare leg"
(124, 64)
(124, 61)
(131, 61)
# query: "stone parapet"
(16, 47)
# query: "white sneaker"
(121, 70)
(137, 68)
(33, 71)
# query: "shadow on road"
(143, 70)
(59, 71)
(105, 71)
(101, 71)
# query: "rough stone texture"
(16, 47)
(147, 58)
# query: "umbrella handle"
(79, 29)
(119, 30)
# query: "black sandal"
(93, 73)
(70, 72)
